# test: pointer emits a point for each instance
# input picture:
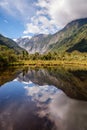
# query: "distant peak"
(29, 37)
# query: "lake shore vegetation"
(9, 57)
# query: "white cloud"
(53, 15)
(45, 16)
(64, 11)
(27, 36)
(31, 28)
(40, 93)
(15, 39)
(18, 8)
(40, 24)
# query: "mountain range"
(72, 37)
(10, 44)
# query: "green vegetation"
(76, 41)
(70, 47)
(9, 57)
(10, 52)
(6, 55)
(9, 43)
(61, 41)
(53, 59)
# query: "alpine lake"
(50, 98)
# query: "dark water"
(43, 99)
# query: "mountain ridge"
(9, 43)
(46, 43)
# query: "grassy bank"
(39, 63)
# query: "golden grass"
(44, 63)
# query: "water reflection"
(9, 73)
(34, 101)
(73, 83)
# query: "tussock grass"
(46, 63)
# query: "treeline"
(75, 55)
(8, 56)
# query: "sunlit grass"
(46, 63)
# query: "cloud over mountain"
(45, 16)
(53, 15)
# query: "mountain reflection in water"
(32, 102)
(73, 83)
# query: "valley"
(67, 46)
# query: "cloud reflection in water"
(66, 113)
(31, 106)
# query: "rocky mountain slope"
(71, 37)
(38, 43)
(22, 41)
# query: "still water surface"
(43, 99)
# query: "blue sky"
(20, 18)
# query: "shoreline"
(49, 62)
